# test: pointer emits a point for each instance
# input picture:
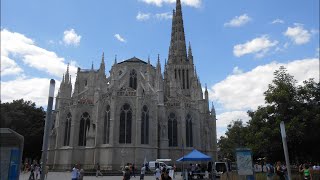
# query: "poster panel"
(244, 161)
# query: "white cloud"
(160, 16)
(245, 91)
(159, 3)
(277, 21)
(238, 21)
(71, 37)
(224, 119)
(21, 47)
(259, 46)
(143, 16)
(9, 67)
(298, 34)
(119, 38)
(34, 89)
(237, 70)
(164, 16)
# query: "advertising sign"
(14, 164)
(244, 161)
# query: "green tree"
(235, 138)
(28, 120)
(297, 106)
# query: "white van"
(153, 165)
(221, 167)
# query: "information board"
(244, 161)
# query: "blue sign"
(14, 164)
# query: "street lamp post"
(285, 148)
(46, 128)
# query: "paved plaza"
(67, 176)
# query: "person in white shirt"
(75, 173)
(158, 174)
(143, 171)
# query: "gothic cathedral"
(136, 113)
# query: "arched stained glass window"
(133, 79)
(125, 124)
(67, 128)
(172, 130)
(106, 126)
(84, 128)
(189, 135)
(145, 125)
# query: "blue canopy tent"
(195, 155)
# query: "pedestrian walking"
(270, 170)
(165, 174)
(280, 171)
(143, 172)
(81, 174)
(31, 177)
(306, 172)
(126, 174)
(98, 172)
(75, 173)
(158, 174)
(133, 171)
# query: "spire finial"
(63, 78)
(68, 68)
(102, 60)
(148, 59)
(92, 66)
(206, 86)
(115, 59)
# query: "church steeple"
(102, 65)
(177, 50)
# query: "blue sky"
(236, 44)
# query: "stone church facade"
(137, 112)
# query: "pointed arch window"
(145, 125)
(84, 128)
(125, 124)
(67, 128)
(189, 135)
(187, 79)
(106, 126)
(183, 80)
(172, 130)
(133, 79)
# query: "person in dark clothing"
(280, 171)
(126, 174)
(165, 175)
(133, 169)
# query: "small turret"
(206, 94)
(213, 112)
(102, 65)
(190, 56)
(115, 59)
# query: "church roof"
(134, 60)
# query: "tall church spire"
(177, 50)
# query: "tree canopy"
(297, 105)
(28, 120)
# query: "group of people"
(195, 169)
(161, 173)
(281, 171)
(35, 170)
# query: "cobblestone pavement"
(67, 176)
